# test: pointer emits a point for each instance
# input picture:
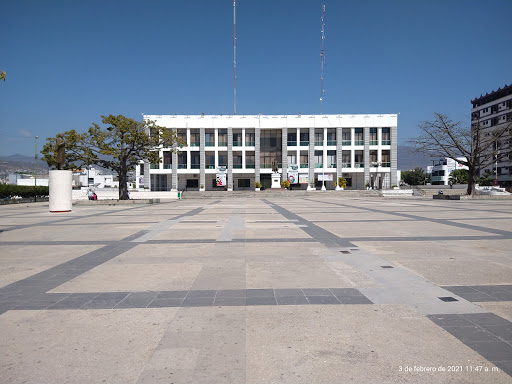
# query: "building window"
(373, 137)
(386, 136)
(359, 136)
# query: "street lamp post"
(35, 160)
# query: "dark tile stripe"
(481, 293)
(319, 234)
(192, 298)
(485, 333)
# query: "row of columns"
(284, 159)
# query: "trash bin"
(179, 195)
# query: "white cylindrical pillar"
(60, 191)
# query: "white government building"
(232, 152)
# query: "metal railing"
(167, 166)
(304, 143)
(346, 142)
(359, 142)
(331, 142)
(386, 142)
(292, 143)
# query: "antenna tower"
(234, 57)
(322, 61)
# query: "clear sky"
(69, 62)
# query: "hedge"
(9, 190)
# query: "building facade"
(233, 152)
(440, 170)
(493, 111)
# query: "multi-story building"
(233, 152)
(440, 170)
(492, 111)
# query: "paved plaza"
(302, 289)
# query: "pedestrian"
(94, 196)
(89, 194)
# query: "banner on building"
(293, 177)
(303, 178)
(221, 179)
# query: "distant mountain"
(21, 163)
(408, 159)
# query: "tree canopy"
(416, 176)
(119, 145)
(3, 75)
(442, 137)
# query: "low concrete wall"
(396, 192)
(134, 195)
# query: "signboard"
(325, 177)
(293, 177)
(221, 179)
(303, 178)
(141, 180)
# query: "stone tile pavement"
(306, 289)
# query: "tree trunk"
(471, 181)
(123, 183)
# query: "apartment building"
(233, 152)
(492, 111)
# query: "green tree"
(3, 75)
(416, 176)
(459, 176)
(487, 179)
(443, 137)
(119, 146)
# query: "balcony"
(359, 142)
(374, 142)
(167, 166)
(292, 143)
(331, 166)
(194, 144)
(359, 165)
(195, 166)
(154, 166)
(223, 143)
(346, 165)
(237, 143)
(249, 143)
(319, 165)
(386, 165)
(249, 166)
(386, 142)
(331, 142)
(304, 165)
(182, 166)
(209, 166)
(319, 143)
(346, 142)
(209, 144)
(237, 166)
(304, 143)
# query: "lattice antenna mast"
(322, 61)
(234, 57)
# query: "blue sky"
(69, 62)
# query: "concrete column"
(147, 175)
(284, 152)
(174, 184)
(202, 158)
(60, 186)
(393, 154)
(257, 154)
(366, 156)
(174, 156)
(311, 156)
(230, 159)
(339, 157)
(187, 148)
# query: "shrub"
(285, 184)
(257, 184)
(24, 191)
